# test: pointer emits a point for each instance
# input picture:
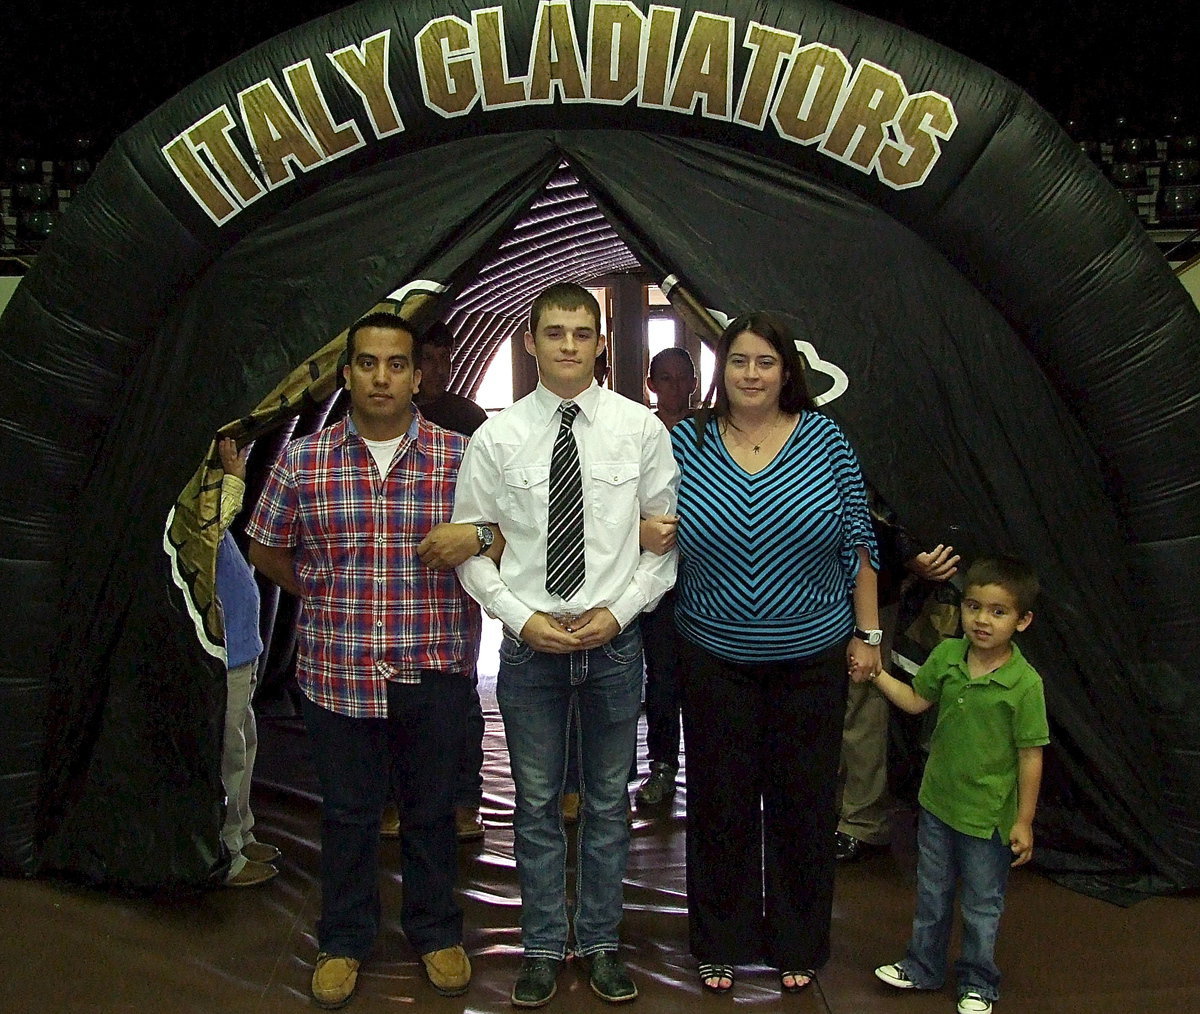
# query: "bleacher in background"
(37, 182)
(1156, 168)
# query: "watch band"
(871, 637)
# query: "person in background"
(864, 822)
(462, 415)
(237, 594)
(600, 369)
(567, 473)
(979, 792)
(384, 653)
(776, 595)
(437, 403)
(672, 378)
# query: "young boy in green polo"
(981, 780)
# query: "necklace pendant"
(756, 447)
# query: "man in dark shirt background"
(462, 415)
(435, 402)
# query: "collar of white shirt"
(547, 401)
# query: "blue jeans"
(944, 856)
(416, 750)
(534, 690)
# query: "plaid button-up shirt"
(372, 611)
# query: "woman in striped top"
(776, 580)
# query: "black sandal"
(712, 974)
(808, 974)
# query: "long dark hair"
(794, 396)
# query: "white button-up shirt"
(629, 473)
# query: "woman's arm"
(860, 656)
(657, 534)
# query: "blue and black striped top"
(767, 562)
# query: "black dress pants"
(763, 742)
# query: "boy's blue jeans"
(944, 857)
(534, 690)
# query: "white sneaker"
(895, 975)
(973, 1003)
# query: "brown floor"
(67, 949)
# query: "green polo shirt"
(971, 775)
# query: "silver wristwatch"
(484, 534)
(871, 637)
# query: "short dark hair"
(563, 296)
(794, 397)
(438, 333)
(380, 318)
(1015, 576)
(672, 350)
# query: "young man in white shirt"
(579, 636)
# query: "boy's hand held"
(1020, 840)
(857, 673)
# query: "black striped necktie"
(564, 535)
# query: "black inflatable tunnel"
(1012, 358)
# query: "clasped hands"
(863, 661)
(563, 635)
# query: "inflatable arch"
(1021, 363)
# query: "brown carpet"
(67, 949)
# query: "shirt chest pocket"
(612, 493)
(526, 492)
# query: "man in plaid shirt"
(384, 651)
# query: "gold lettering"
(445, 64)
(498, 88)
(658, 47)
(613, 69)
(705, 71)
(805, 104)
(211, 135)
(925, 117)
(277, 137)
(334, 139)
(199, 181)
(555, 56)
(770, 48)
(860, 130)
(365, 67)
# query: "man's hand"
(1020, 840)
(542, 632)
(233, 460)
(447, 545)
(657, 534)
(939, 564)
(595, 627)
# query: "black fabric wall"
(1021, 364)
